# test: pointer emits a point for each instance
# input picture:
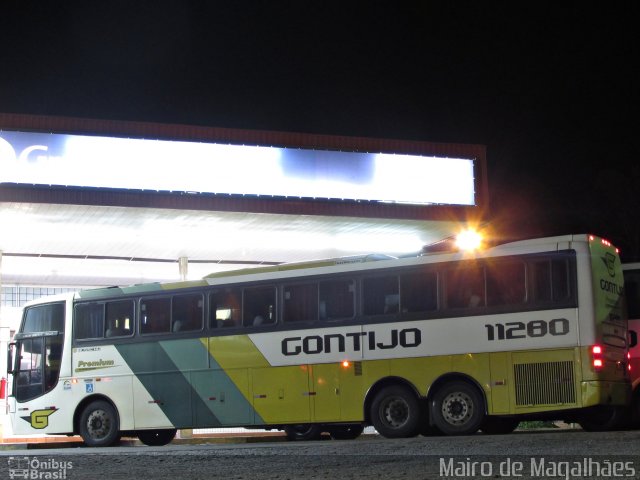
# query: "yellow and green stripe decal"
(189, 385)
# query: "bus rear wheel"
(99, 426)
(157, 438)
(603, 418)
(458, 408)
(396, 412)
(305, 431)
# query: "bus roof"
(336, 265)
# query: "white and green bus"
(448, 343)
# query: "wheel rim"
(394, 412)
(301, 429)
(457, 408)
(98, 424)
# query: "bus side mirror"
(633, 338)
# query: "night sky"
(551, 90)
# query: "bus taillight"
(596, 352)
(604, 242)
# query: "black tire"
(157, 438)
(604, 418)
(499, 425)
(303, 432)
(346, 432)
(430, 430)
(458, 408)
(396, 412)
(99, 425)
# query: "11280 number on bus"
(532, 329)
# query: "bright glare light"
(468, 240)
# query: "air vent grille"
(548, 383)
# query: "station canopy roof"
(92, 203)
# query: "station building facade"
(87, 203)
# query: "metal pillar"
(183, 265)
(0, 287)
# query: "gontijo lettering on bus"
(314, 344)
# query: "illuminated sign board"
(124, 163)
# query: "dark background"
(551, 88)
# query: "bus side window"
(224, 308)
(301, 303)
(381, 295)
(465, 287)
(88, 321)
(155, 315)
(560, 279)
(259, 306)
(506, 283)
(541, 283)
(187, 312)
(119, 319)
(419, 292)
(336, 299)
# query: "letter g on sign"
(7, 159)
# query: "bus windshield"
(39, 350)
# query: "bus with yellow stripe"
(448, 343)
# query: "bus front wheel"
(157, 438)
(99, 426)
(396, 412)
(457, 408)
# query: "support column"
(0, 287)
(183, 265)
